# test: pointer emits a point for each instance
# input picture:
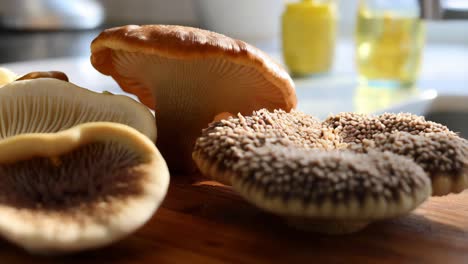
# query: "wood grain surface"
(206, 223)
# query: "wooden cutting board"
(206, 223)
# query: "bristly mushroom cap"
(189, 76)
(443, 156)
(333, 185)
(224, 142)
(80, 188)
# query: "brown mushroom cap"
(329, 191)
(443, 156)
(47, 105)
(80, 188)
(189, 76)
(223, 143)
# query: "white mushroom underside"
(188, 94)
(34, 107)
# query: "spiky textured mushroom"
(189, 76)
(78, 189)
(49, 105)
(225, 141)
(292, 165)
(443, 156)
(331, 192)
(441, 152)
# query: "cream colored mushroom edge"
(78, 169)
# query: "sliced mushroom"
(6, 76)
(48, 105)
(189, 76)
(443, 156)
(333, 192)
(80, 188)
(224, 142)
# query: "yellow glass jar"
(389, 42)
(308, 36)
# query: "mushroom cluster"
(78, 169)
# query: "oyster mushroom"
(78, 189)
(48, 105)
(333, 192)
(443, 156)
(224, 142)
(189, 76)
(6, 76)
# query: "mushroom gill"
(189, 76)
(48, 105)
(80, 188)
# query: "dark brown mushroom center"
(85, 177)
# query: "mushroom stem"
(330, 227)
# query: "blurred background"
(344, 55)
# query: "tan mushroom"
(78, 189)
(48, 105)
(189, 76)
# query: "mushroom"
(333, 192)
(443, 156)
(48, 105)
(189, 76)
(44, 74)
(441, 152)
(6, 76)
(223, 142)
(80, 188)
